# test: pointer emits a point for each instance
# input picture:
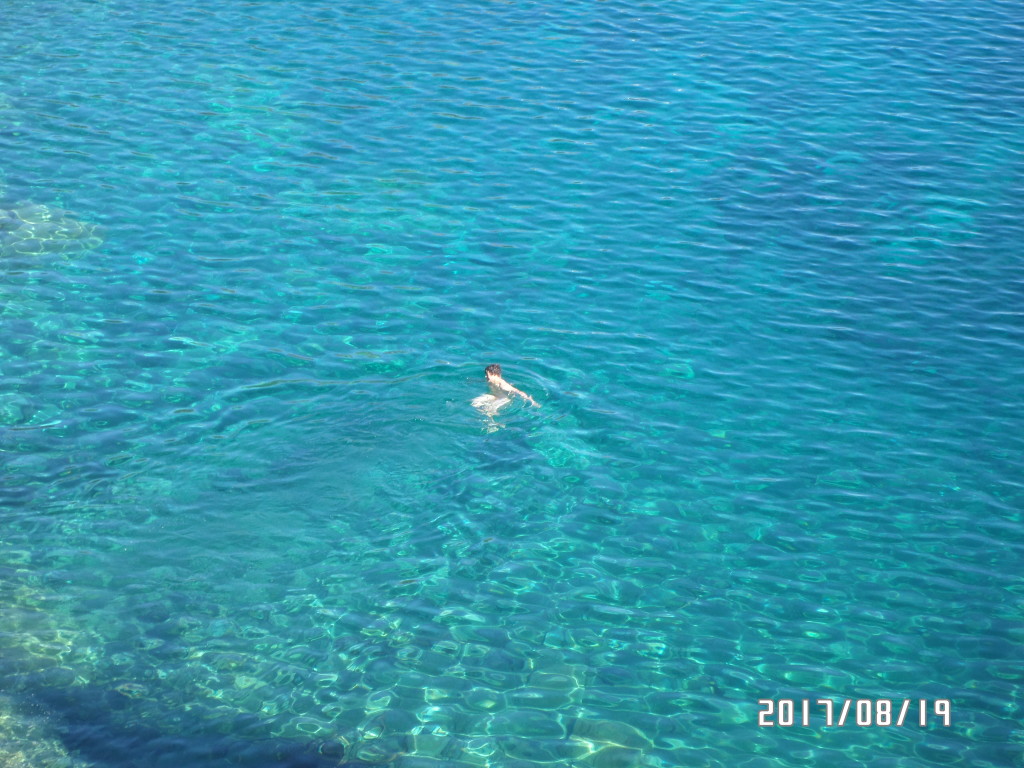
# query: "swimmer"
(500, 394)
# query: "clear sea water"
(760, 263)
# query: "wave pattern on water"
(759, 265)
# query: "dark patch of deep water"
(92, 725)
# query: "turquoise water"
(759, 263)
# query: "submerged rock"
(26, 741)
(610, 732)
(31, 228)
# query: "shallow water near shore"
(758, 264)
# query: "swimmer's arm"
(505, 386)
(526, 396)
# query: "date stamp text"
(884, 713)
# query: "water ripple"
(759, 266)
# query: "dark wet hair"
(493, 368)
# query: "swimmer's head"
(493, 370)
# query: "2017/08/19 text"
(866, 712)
